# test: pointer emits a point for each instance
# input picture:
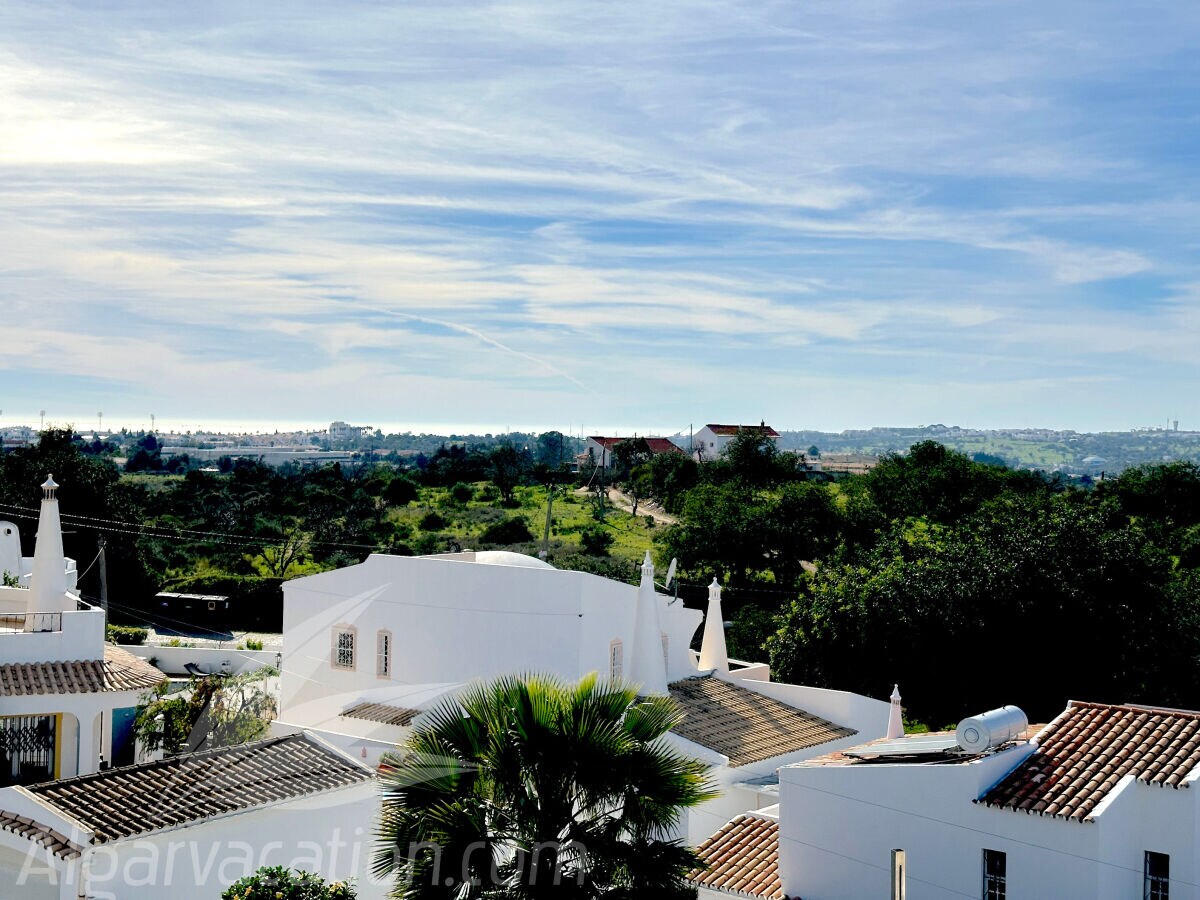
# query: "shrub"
(431, 521)
(278, 883)
(510, 531)
(126, 634)
(252, 644)
(461, 492)
(595, 540)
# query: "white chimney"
(649, 667)
(895, 727)
(48, 582)
(713, 654)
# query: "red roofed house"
(710, 441)
(600, 449)
(1100, 804)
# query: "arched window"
(345, 640)
(616, 659)
(383, 654)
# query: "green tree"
(531, 787)
(214, 712)
(508, 466)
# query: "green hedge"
(126, 634)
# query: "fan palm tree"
(532, 787)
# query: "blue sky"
(615, 216)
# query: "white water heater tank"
(991, 729)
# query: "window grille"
(343, 648)
(995, 875)
(1158, 876)
(383, 655)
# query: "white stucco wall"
(839, 824)
(81, 637)
(453, 621)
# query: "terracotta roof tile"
(58, 844)
(1087, 750)
(383, 713)
(744, 725)
(653, 444)
(118, 803)
(120, 670)
(730, 430)
(742, 859)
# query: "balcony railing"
(17, 622)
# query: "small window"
(383, 654)
(666, 642)
(995, 875)
(1158, 876)
(343, 647)
(616, 660)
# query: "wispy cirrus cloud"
(507, 214)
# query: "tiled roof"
(653, 444)
(58, 844)
(383, 713)
(742, 859)
(731, 430)
(120, 670)
(1083, 753)
(744, 725)
(122, 802)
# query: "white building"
(369, 648)
(67, 698)
(1098, 805)
(710, 441)
(187, 827)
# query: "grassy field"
(465, 522)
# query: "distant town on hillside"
(1051, 450)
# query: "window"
(616, 659)
(1158, 876)
(666, 642)
(995, 875)
(343, 647)
(27, 749)
(383, 654)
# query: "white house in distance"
(598, 450)
(67, 698)
(369, 648)
(1098, 805)
(710, 441)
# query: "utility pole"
(103, 577)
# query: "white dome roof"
(508, 558)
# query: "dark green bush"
(511, 531)
(431, 521)
(595, 540)
(126, 634)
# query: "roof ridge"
(171, 761)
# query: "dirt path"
(623, 502)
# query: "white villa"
(368, 648)
(1098, 805)
(67, 698)
(710, 442)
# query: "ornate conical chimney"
(48, 582)
(649, 668)
(895, 716)
(713, 654)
